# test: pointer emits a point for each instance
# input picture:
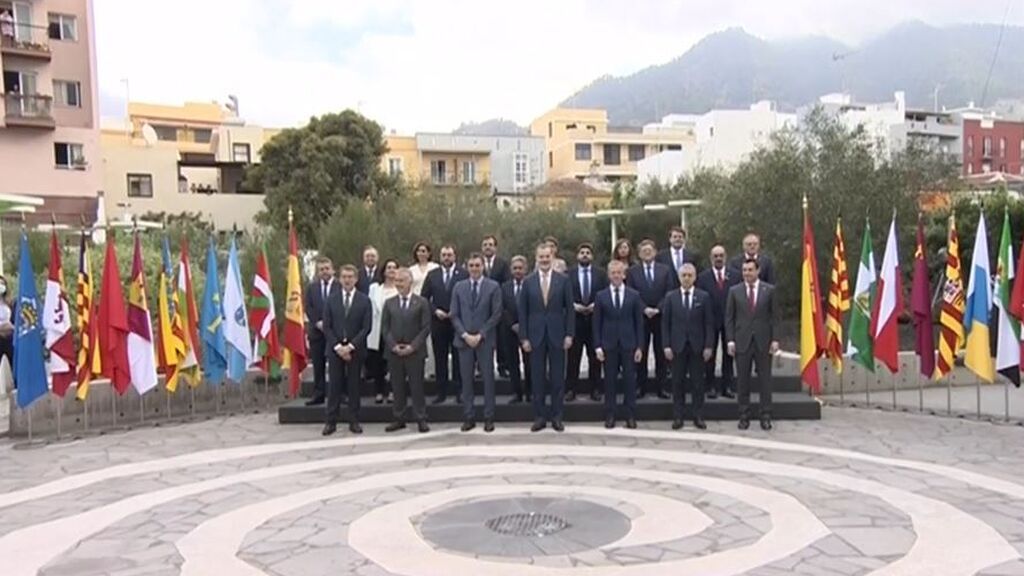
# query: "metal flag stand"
(192, 401)
(842, 396)
(977, 390)
(867, 389)
(949, 395)
(920, 392)
(1006, 401)
(894, 403)
(167, 393)
(60, 416)
(142, 408)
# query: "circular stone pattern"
(523, 526)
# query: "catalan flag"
(838, 301)
(88, 362)
(951, 309)
(812, 340)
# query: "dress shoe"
(378, 399)
(609, 423)
(595, 396)
(503, 372)
(744, 424)
(728, 394)
(631, 424)
(468, 425)
(394, 426)
(570, 396)
(538, 425)
(766, 423)
(677, 424)
(458, 400)
(422, 427)
(438, 400)
(640, 395)
(329, 429)
(700, 423)
(390, 399)
(489, 426)
(664, 395)
(344, 400)
(712, 395)
(516, 400)
(557, 426)
(315, 401)
(355, 428)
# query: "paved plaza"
(859, 492)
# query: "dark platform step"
(787, 406)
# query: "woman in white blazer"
(376, 365)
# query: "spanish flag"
(294, 317)
(812, 338)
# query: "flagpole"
(60, 415)
(842, 398)
(977, 390)
(1006, 401)
(28, 414)
(85, 415)
(168, 394)
(266, 388)
(113, 401)
(192, 398)
(949, 396)
(142, 408)
(893, 392)
(920, 392)
(867, 389)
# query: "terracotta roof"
(570, 188)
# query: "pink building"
(49, 113)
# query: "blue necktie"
(586, 284)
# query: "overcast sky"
(429, 65)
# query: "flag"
(57, 323)
(838, 301)
(921, 306)
(214, 356)
(29, 368)
(860, 347)
(112, 324)
(888, 305)
(978, 352)
(1008, 332)
(141, 353)
(951, 309)
(186, 305)
(294, 317)
(263, 318)
(87, 363)
(236, 323)
(172, 343)
(1017, 295)
(812, 340)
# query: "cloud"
(431, 65)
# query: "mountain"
(492, 127)
(733, 69)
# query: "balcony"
(477, 179)
(29, 111)
(28, 42)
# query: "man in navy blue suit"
(686, 325)
(547, 324)
(717, 281)
(586, 280)
(652, 280)
(618, 327)
(317, 293)
(437, 289)
(677, 253)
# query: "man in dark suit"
(687, 326)
(369, 271)
(547, 323)
(618, 327)
(437, 289)
(752, 251)
(717, 281)
(677, 253)
(404, 325)
(586, 280)
(348, 318)
(521, 387)
(751, 315)
(652, 280)
(476, 312)
(317, 293)
(496, 268)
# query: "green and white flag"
(1008, 334)
(859, 345)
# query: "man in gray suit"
(405, 324)
(475, 313)
(751, 315)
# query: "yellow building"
(580, 144)
(175, 159)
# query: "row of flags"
(876, 303)
(218, 342)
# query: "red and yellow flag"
(295, 352)
(951, 309)
(838, 301)
(88, 362)
(812, 338)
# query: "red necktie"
(750, 297)
(721, 280)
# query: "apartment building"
(188, 158)
(991, 144)
(49, 119)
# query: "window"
(437, 171)
(521, 170)
(202, 135)
(970, 146)
(583, 152)
(970, 168)
(68, 156)
(986, 167)
(140, 185)
(394, 166)
(169, 133)
(550, 130)
(551, 159)
(675, 146)
(636, 152)
(1002, 147)
(986, 147)
(63, 27)
(67, 93)
(468, 172)
(240, 152)
(612, 154)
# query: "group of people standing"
(492, 316)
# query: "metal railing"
(36, 106)
(27, 37)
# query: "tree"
(318, 169)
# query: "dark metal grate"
(527, 524)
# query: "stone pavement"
(858, 492)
